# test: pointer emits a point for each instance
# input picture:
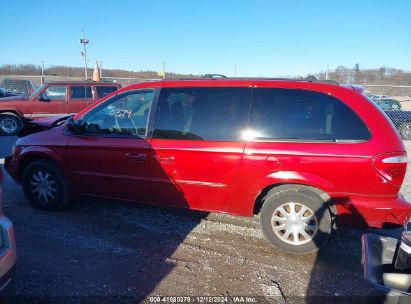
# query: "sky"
(253, 38)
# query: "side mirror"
(75, 126)
(70, 124)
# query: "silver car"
(7, 246)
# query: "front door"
(52, 101)
(111, 157)
(197, 146)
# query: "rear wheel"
(10, 124)
(44, 186)
(405, 130)
(295, 219)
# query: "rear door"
(197, 146)
(80, 97)
(52, 101)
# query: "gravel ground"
(101, 251)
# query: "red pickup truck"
(52, 98)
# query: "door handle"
(164, 159)
(136, 156)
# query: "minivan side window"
(123, 115)
(215, 114)
(288, 114)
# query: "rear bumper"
(7, 252)
(373, 211)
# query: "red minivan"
(302, 154)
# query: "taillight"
(391, 166)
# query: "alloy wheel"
(294, 223)
(43, 186)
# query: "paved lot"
(111, 252)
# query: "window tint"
(122, 115)
(54, 93)
(303, 115)
(81, 92)
(105, 90)
(202, 113)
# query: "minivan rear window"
(290, 114)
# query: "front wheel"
(10, 124)
(295, 220)
(45, 186)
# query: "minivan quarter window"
(214, 114)
(293, 114)
(123, 115)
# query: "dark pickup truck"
(400, 118)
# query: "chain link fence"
(395, 101)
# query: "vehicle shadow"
(99, 250)
(6, 142)
(336, 275)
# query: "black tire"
(405, 130)
(48, 173)
(10, 124)
(284, 196)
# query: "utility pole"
(235, 70)
(84, 41)
(42, 72)
(164, 70)
(326, 72)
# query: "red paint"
(229, 176)
(194, 174)
(104, 166)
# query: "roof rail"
(219, 76)
(311, 78)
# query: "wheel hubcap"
(43, 186)
(8, 125)
(294, 223)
